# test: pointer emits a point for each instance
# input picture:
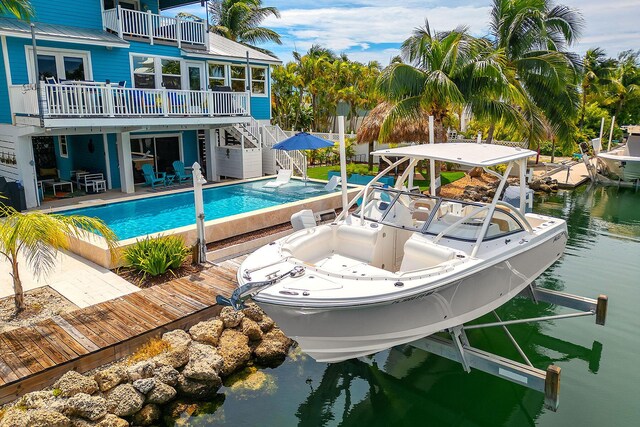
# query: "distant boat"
(404, 265)
(624, 161)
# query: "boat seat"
(420, 253)
(313, 244)
(358, 242)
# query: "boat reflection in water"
(407, 386)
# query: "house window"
(258, 80)
(150, 72)
(62, 146)
(217, 75)
(171, 75)
(124, 4)
(238, 78)
(144, 72)
(60, 64)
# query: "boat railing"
(460, 221)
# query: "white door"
(196, 81)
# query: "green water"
(600, 365)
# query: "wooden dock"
(34, 357)
(570, 176)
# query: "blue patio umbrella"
(302, 141)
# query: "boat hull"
(334, 334)
(629, 172)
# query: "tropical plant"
(154, 256)
(534, 36)
(445, 72)
(21, 9)
(38, 236)
(597, 71)
(239, 20)
(623, 97)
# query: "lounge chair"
(153, 178)
(181, 175)
(333, 183)
(284, 176)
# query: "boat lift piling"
(547, 381)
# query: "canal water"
(600, 383)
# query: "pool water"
(161, 213)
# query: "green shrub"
(154, 256)
(357, 168)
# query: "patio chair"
(181, 175)
(333, 183)
(284, 176)
(151, 177)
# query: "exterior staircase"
(279, 159)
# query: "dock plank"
(35, 356)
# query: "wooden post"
(150, 26)
(601, 309)
(552, 388)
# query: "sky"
(374, 29)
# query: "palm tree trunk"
(17, 285)
(492, 129)
(371, 149)
(584, 107)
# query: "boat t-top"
(402, 265)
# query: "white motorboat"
(624, 161)
(402, 266)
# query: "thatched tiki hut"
(405, 130)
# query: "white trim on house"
(265, 81)
(7, 68)
(63, 143)
(212, 57)
(59, 54)
(204, 74)
(44, 37)
(226, 72)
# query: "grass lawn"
(322, 172)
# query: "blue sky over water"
(374, 29)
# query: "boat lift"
(546, 381)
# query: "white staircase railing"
(250, 131)
(293, 160)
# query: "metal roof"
(470, 154)
(16, 28)
(222, 48)
(167, 4)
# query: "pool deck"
(36, 356)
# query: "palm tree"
(597, 71)
(446, 71)
(534, 36)
(38, 236)
(239, 20)
(21, 9)
(624, 92)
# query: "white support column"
(125, 162)
(343, 165)
(523, 186)
(107, 160)
(210, 144)
(433, 185)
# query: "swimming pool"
(157, 214)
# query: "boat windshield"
(433, 215)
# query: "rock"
(204, 363)
(475, 172)
(73, 383)
(253, 312)
(15, 417)
(207, 332)
(144, 385)
(147, 415)
(197, 389)
(112, 421)
(266, 324)
(86, 406)
(161, 393)
(177, 338)
(81, 422)
(166, 374)
(250, 381)
(251, 329)
(110, 377)
(141, 370)
(124, 400)
(535, 184)
(176, 357)
(230, 317)
(273, 349)
(545, 188)
(41, 400)
(234, 349)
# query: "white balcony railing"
(152, 26)
(80, 100)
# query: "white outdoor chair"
(333, 183)
(284, 176)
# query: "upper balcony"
(75, 104)
(151, 27)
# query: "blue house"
(111, 85)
